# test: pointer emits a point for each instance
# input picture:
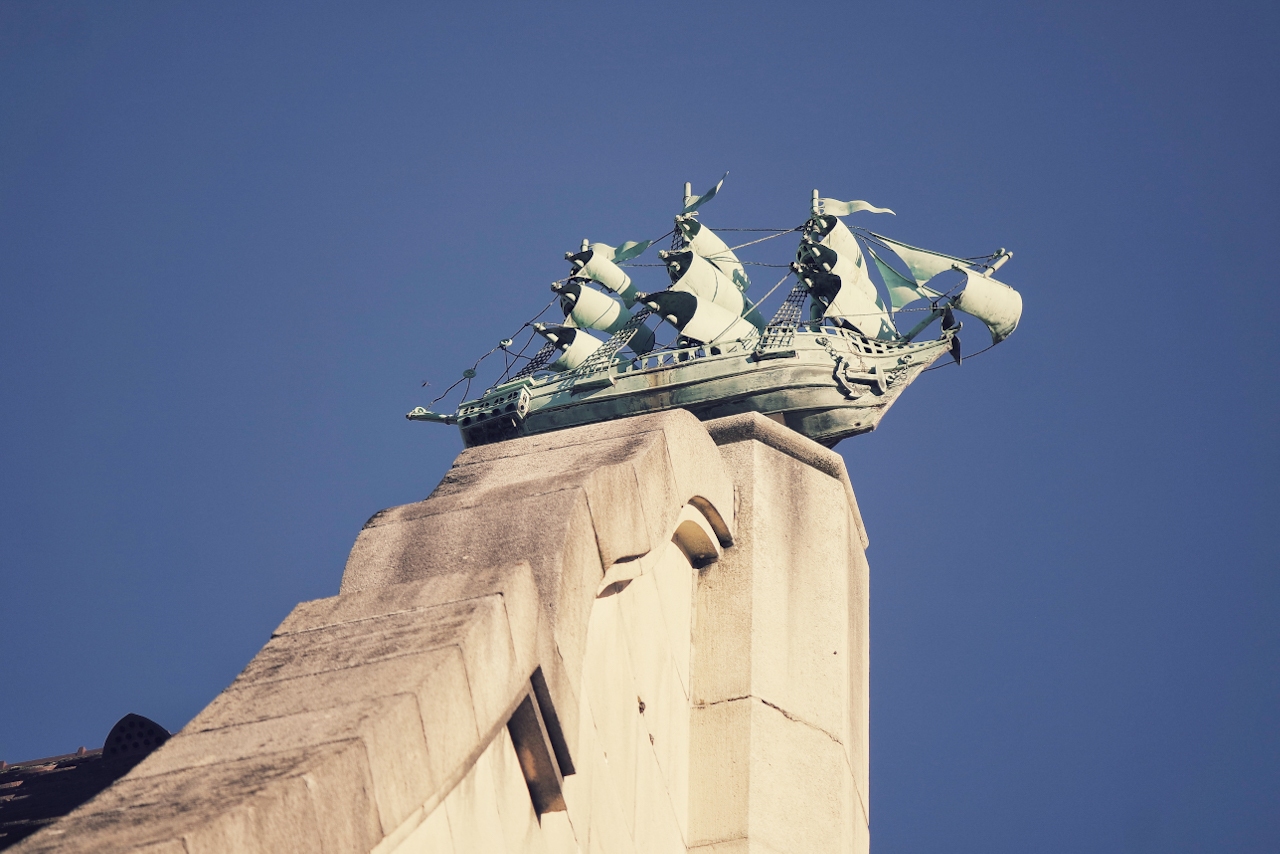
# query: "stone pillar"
(780, 667)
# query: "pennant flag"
(705, 197)
(625, 252)
(839, 208)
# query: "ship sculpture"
(828, 372)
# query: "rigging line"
(446, 392)
(504, 374)
(744, 263)
(871, 237)
(866, 313)
(517, 356)
(780, 230)
(763, 239)
(952, 362)
(774, 288)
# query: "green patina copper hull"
(826, 383)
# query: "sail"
(994, 303)
(593, 265)
(693, 274)
(575, 345)
(708, 244)
(901, 289)
(830, 247)
(848, 306)
(829, 231)
(922, 263)
(697, 318)
(828, 260)
(586, 308)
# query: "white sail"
(698, 319)
(901, 289)
(575, 345)
(595, 266)
(587, 308)
(835, 234)
(922, 263)
(994, 303)
(852, 306)
(693, 274)
(709, 245)
(857, 303)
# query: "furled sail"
(923, 263)
(901, 289)
(848, 306)
(587, 308)
(994, 303)
(693, 274)
(596, 266)
(708, 244)
(576, 345)
(828, 247)
(828, 230)
(697, 318)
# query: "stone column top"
(754, 426)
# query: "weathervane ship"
(828, 375)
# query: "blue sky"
(234, 241)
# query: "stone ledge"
(751, 426)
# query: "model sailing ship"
(828, 375)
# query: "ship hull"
(827, 384)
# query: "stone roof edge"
(753, 426)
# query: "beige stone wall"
(616, 638)
(779, 734)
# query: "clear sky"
(236, 238)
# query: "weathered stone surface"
(687, 603)
(513, 493)
(674, 579)
(520, 826)
(719, 772)
(792, 594)
(210, 802)
(805, 799)
(472, 807)
(559, 835)
(431, 837)
(752, 426)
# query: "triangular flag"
(924, 265)
(705, 197)
(901, 289)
